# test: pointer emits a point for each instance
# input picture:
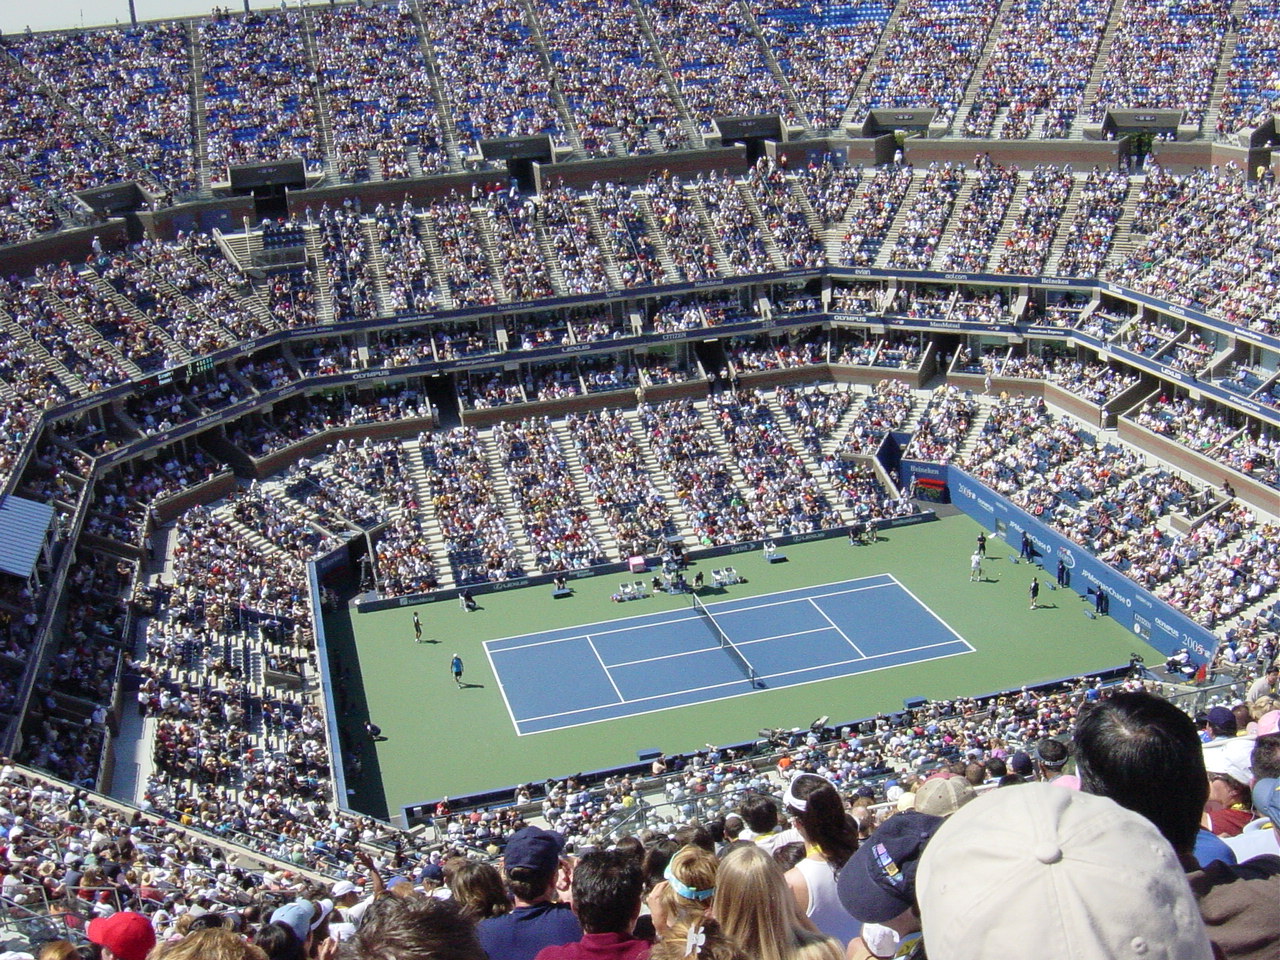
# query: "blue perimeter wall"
(1159, 624)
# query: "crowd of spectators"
(259, 90)
(498, 82)
(466, 507)
(920, 231)
(168, 884)
(626, 495)
(719, 65)
(780, 487)
(1095, 381)
(610, 78)
(822, 48)
(884, 409)
(1032, 233)
(556, 524)
(1163, 56)
(135, 85)
(867, 219)
(411, 288)
(944, 425)
(1100, 202)
(239, 756)
(1250, 91)
(1038, 70)
(930, 54)
(374, 76)
(980, 219)
(703, 481)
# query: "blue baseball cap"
(296, 916)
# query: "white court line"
(659, 620)
(740, 643)
(824, 616)
(698, 703)
(929, 610)
(605, 668)
(502, 688)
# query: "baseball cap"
(1266, 799)
(533, 849)
(1269, 722)
(1076, 874)
(1020, 763)
(433, 872)
(296, 916)
(878, 882)
(342, 888)
(1231, 758)
(127, 934)
(1222, 718)
(943, 796)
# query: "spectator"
(214, 944)
(1076, 874)
(685, 894)
(830, 837)
(878, 884)
(607, 890)
(535, 876)
(279, 942)
(125, 935)
(416, 928)
(760, 813)
(1230, 781)
(758, 913)
(1051, 757)
(1266, 685)
(477, 888)
(1143, 752)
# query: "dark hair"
(996, 768)
(823, 820)
(206, 921)
(607, 886)
(656, 858)
(279, 942)
(759, 812)
(631, 846)
(1010, 780)
(529, 884)
(1052, 753)
(695, 833)
(416, 928)
(1265, 761)
(787, 855)
(1145, 754)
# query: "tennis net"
(722, 638)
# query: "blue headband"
(684, 889)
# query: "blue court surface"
(620, 668)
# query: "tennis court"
(732, 648)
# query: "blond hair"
(214, 943)
(695, 867)
(757, 911)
